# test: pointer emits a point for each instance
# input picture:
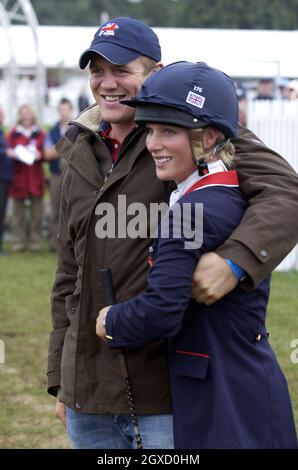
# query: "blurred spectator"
(265, 89)
(242, 103)
(293, 86)
(283, 90)
(83, 101)
(52, 82)
(65, 111)
(5, 179)
(28, 180)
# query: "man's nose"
(108, 80)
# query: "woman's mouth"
(159, 161)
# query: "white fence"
(276, 124)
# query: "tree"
(243, 14)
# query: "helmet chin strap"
(200, 156)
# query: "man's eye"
(121, 71)
(96, 71)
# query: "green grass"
(27, 413)
(283, 327)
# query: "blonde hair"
(227, 154)
(28, 108)
(148, 64)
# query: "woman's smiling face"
(171, 150)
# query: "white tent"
(240, 53)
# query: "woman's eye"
(168, 131)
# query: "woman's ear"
(209, 137)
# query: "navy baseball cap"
(190, 95)
(122, 40)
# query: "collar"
(62, 128)
(112, 144)
(26, 132)
(104, 127)
(194, 181)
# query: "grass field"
(27, 418)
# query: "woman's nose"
(154, 142)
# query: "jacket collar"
(90, 118)
(85, 129)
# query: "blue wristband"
(237, 270)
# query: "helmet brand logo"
(195, 100)
(108, 30)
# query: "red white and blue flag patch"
(195, 99)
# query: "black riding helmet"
(188, 94)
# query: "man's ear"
(158, 66)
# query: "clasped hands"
(212, 279)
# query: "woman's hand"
(100, 323)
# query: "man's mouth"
(113, 98)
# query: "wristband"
(237, 270)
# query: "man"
(55, 133)
(106, 158)
(83, 100)
(265, 89)
(293, 87)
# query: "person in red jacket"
(26, 140)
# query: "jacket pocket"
(191, 364)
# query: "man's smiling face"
(112, 83)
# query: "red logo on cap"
(109, 29)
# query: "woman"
(227, 388)
(28, 180)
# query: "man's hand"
(212, 279)
(100, 328)
(61, 412)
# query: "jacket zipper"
(124, 145)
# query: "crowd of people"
(23, 152)
(282, 89)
